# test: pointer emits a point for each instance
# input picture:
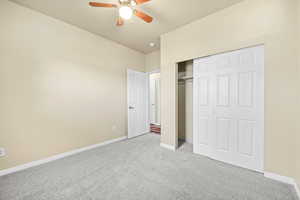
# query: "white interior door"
(152, 101)
(138, 103)
(155, 98)
(229, 107)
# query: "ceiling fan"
(126, 10)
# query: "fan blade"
(138, 2)
(120, 21)
(143, 16)
(105, 5)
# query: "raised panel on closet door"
(223, 145)
(245, 137)
(248, 58)
(203, 91)
(223, 90)
(245, 88)
(223, 132)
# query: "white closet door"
(229, 103)
(138, 103)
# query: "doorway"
(137, 103)
(154, 98)
(143, 102)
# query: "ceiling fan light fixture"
(125, 9)
(125, 12)
(133, 3)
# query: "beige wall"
(61, 87)
(251, 22)
(298, 160)
(153, 61)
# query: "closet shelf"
(186, 78)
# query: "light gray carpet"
(138, 169)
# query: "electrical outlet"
(2, 152)
(114, 128)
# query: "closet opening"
(185, 105)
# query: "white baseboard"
(170, 147)
(56, 157)
(280, 178)
(297, 189)
(144, 133)
(284, 179)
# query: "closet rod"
(186, 78)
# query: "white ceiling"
(136, 34)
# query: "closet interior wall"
(185, 102)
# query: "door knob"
(130, 107)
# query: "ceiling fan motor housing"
(126, 2)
